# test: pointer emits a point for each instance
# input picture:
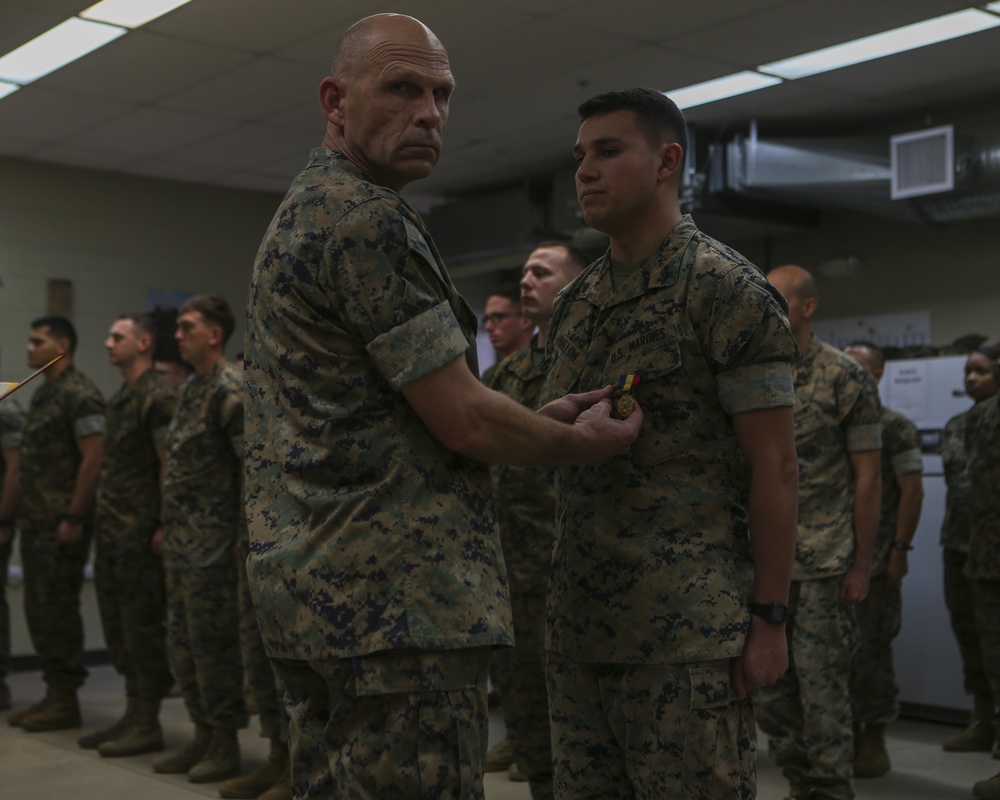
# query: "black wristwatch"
(899, 544)
(774, 613)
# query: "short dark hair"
(577, 258)
(657, 115)
(144, 324)
(510, 289)
(59, 327)
(214, 309)
(991, 351)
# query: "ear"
(809, 307)
(671, 160)
(215, 337)
(331, 95)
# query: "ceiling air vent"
(923, 162)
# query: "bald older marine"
(837, 439)
(375, 562)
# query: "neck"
(641, 240)
(802, 337)
(543, 331)
(135, 370)
(207, 364)
(58, 368)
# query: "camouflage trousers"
(808, 712)
(650, 731)
(961, 608)
(132, 599)
(260, 675)
(203, 642)
(5, 549)
(520, 672)
(986, 597)
(874, 692)
(403, 724)
(53, 579)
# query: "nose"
(429, 113)
(585, 171)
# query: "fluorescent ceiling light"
(994, 7)
(130, 13)
(909, 37)
(55, 48)
(7, 88)
(721, 88)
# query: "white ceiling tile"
(244, 147)
(151, 131)
(142, 68)
(265, 86)
(51, 116)
(71, 154)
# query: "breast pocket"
(665, 398)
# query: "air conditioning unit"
(923, 162)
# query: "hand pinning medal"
(625, 402)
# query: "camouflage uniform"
(526, 513)
(955, 550)
(201, 520)
(64, 409)
(128, 575)
(11, 424)
(260, 674)
(874, 693)
(374, 549)
(808, 712)
(652, 572)
(982, 441)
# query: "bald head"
(868, 356)
(364, 38)
(799, 288)
(795, 281)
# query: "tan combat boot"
(872, 759)
(282, 789)
(980, 735)
(499, 758)
(17, 718)
(143, 734)
(60, 714)
(262, 778)
(987, 790)
(220, 762)
(181, 762)
(95, 738)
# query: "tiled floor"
(44, 766)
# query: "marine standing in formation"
(672, 562)
(11, 425)
(375, 562)
(128, 572)
(838, 441)
(60, 470)
(874, 691)
(202, 505)
(956, 530)
(526, 514)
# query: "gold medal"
(625, 402)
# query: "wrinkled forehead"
(412, 54)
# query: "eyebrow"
(603, 140)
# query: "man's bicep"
(866, 464)
(444, 398)
(765, 433)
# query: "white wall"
(115, 237)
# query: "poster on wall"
(885, 330)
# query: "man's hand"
(854, 585)
(603, 435)
(569, 407)
(897, 567)
(69, 532)
(764, 658)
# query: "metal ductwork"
(854, 173)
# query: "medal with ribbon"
(625, 402)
